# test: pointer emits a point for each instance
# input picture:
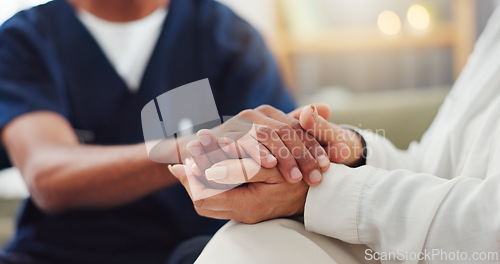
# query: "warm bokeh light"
(418, 17)
(389, 22)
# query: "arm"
(61, 174)
(397, 212)
(403, 211)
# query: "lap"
(277, 241)
(19, 258)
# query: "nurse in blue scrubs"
(82, 70)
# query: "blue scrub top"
(49, 61)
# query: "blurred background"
(382, 65)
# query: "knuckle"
(246, 113)
(264, 108)
(198, 204)
(202, 213)
(302, 155)
(263, 132)
(248, 219)
(310, 137)
(284, 128)
(303, 158)
(295, 124)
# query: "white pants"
(277, 241)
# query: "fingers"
(196, 189)
(242, 171)
(308, 153)
(208, 150)
(323, 111)
(307, 163)
(287, 164)
(344, 146)
(317, 126)
(316, 150)
(338, 152)
(257, 151)
(232, 150)
(294, 158)
(210, 145)
(205, 151)
(195, 148)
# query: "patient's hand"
(273, 139)
(265, 196)
(343, 146)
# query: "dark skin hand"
(253, 193)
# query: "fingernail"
(323, 161)
(216, 173)
(315, 113)
(270, 158)
(205, 140)
(296, 174)
(195, 170)
(224, 144)
(315, 176)
(195, 151)
(175, 170)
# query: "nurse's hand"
(265, 196)
(270, 137)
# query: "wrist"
(358, 148)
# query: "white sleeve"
(400, 211)
(383, 154)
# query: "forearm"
(69, 177)
(403, 211)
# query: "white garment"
(440, 196)
(269, 242)
(127, 45)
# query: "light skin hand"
(265, 196)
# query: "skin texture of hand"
(264, 196)
(342, 145)
(273, 138)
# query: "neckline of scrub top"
(129, 60)
(163, 43)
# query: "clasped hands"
(259, 164)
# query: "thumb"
(316, 125)
(323, 110)
(338, 142)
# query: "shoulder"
(28, 29)
(31, 18)
(220, 19)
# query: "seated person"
(437, 202)
(81, 70)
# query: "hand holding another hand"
(237, 177)
(265, 196)
(269, 136)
